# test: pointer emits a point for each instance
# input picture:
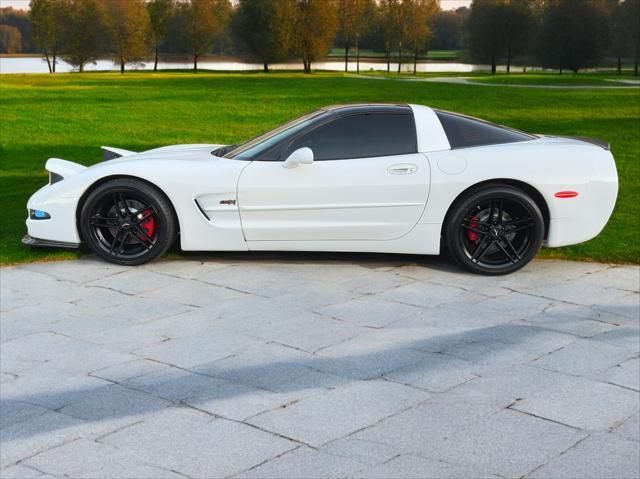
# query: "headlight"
(39, 215)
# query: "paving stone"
(12, 412)
(415, 467)
(25, 438)
(304, 462)
(625, 306)
(574, 319)
(625, 337)
(186, 269)
(514, 305)
(197, 445)
(619, 277)
(373, 282)
(630, 428)
(578, 403)
(135, 282)
(507, 443)
(194, 293)
(370, 312)
(22, 472)
(427, 426)
(579, 291)
(436, 373)
(53, 390)
(426, 295)
(584, 358)
(90, 459)
(598, 456)
(193, 350)
(112, 401)
(127, 370)
(79, 271)
(319, 419)
(366, 452)
(626, 374)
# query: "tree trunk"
(81, 68)
(415, 62)
(357, 56)
(493, 65)
(399, 58)
(46, 55)
(121, 66)
(619, 65)
(54, 62)
(388, 52)
(195, 63)
(575, 71)
(155, 64)
(508, 61)
(635, 67)
(560, 72)
(346, 58)
(265, 67)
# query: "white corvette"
(376, 178)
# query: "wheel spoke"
(511, 247)
(118, 242)
(146, 212)
(519, 224)
(481, 249)
(500, 210)
(103, 222)
(481, 223)
(514, 261)
(142, 237)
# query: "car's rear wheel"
(128, 222)
(495, 230)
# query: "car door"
(367, 182)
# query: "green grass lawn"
(70, 115)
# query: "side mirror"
(300, 156)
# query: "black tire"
(127, 221)
(494, 230)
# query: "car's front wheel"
(128, 222)
(494, 230)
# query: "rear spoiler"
(593, 141)
(110, 153)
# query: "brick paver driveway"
(319, 366)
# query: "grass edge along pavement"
(71, 115)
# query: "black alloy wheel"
(496, 230)
(128, 222)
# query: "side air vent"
(201, 210)
(109, 155)
(54, 178)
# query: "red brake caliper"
(472, 235)
(149, 226)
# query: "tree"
(517, 18)
(572, 34)
(20, 19)
(417, 15)
(160, 12)
(10, 39)
(631, 27)
(202, 22)
(127, 27)
(486, 35)
(316, 23)
(351, 14)
(389, 19)
(265, 28)
(447, 28)
(46, 22)
(83, 33)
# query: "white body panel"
(343, 205)
(358, 199)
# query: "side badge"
(227, 202)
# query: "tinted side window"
(465, 132)
(361, 136)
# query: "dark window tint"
(464, 132)
(361, 136)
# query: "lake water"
(39, 65)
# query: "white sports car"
(375, 178)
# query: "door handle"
(402, 169)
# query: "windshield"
(263, 142)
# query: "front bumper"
(31, 241)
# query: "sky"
(446, 4)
